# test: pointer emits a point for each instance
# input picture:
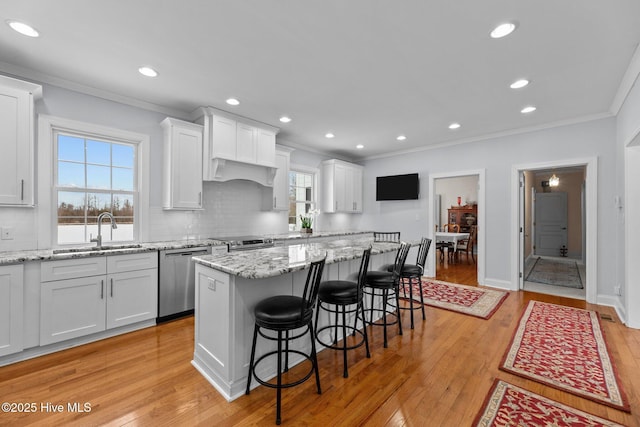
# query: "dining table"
(444, 236)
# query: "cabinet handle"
(200, 197)
(112, 288)
(22, 189)
(101, 289)
(336, 205)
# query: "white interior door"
(550, 223)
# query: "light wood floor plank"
(435, 375)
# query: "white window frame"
(47, 211)
(315, 172)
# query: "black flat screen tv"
(398, 187)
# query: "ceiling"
(365, 70)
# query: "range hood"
(226, 170)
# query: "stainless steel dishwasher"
(176, 287)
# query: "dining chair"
(451, 228)
(466, 245)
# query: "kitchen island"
(228, 286)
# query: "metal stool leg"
(253, 356)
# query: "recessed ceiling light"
(285, 119)
(518, 84)
(329, 135)
(359, 146)
(503, 30)
(454, 126)
(529, 109)
(147, 71)
(233, 101)
(22, 28)
(401, 138)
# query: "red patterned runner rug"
(564, 347)
(471, 300)
(509, 405)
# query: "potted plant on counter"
(306, 221)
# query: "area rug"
(564, 347)
(552, 272)
(471, 300)
(509, 405)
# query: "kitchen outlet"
(617, 290)
(7, 233)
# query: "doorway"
(556, 238)
(445, 189)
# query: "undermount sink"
(96, 249)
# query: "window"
(301, 196)
(94, 175)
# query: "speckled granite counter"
(262, 263)
(297, 235)
(17, 257)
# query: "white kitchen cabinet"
(182, 168)
(278, 198)
(265, 147)
(11, 309)
(341, 187)
(17, 141)
(245, 143)
(72, 308)
(236, 147)
(115, 291)
(133, 297)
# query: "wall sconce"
(554, 181)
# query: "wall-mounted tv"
(398, 187)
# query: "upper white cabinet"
(235, 147)
(278, 199)
(16, 141)
(11, 309)
(182, 174)
(341, 186)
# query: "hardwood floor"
(435, 375)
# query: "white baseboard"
(616, 303)
(500, 284)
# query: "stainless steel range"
(243, 243)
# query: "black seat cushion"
(379, 279)
(281, 312)
(342, 292)
(407, 270)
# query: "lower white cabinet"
(71, 308)
(11, 309)
(132, 297)
(122, 290)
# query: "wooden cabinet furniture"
(464, 216)
(17, 141)
(88, 295)
(182, 166)
(342, 186)
(236, 147)
(11, 309)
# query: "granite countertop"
(17, 257)
(261, 263)
(293, 235)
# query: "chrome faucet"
(98, 238)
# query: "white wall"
(497, 156)
(628, 186)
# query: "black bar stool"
(386, 236)
(381, 283)
(335, 296)
(414, 272)
(283, 314)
